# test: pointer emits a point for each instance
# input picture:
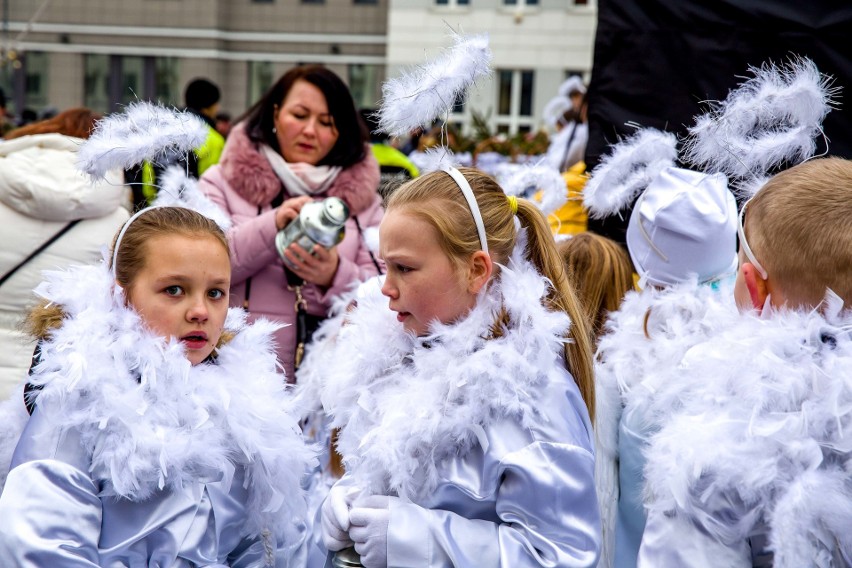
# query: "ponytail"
(542, 253)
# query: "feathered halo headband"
(147, 132)
(428, 91)
(770, 119)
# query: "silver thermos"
(346, 558)
(319, 223)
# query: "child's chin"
(196, 357)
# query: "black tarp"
(657, 61)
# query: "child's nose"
(388, 289)
(198, 311)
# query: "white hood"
(39, 178)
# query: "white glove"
(335, 517)
(369, 518)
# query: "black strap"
(38, 251)
(372, 256)
(562, 167)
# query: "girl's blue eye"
(216, 294)
(403, 268)
(174, 290)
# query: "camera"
(319, 223)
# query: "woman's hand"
(318, 268)
(289, 210)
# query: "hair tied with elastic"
(513, 203)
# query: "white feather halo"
(772, 118)
(521, 180)
(429, 91)
(437, 158)
(628, 170)
(573, 84)
(144, 131)
(555, 109)
(179, 190)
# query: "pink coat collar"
(247, 170)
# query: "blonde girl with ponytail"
(464, 395)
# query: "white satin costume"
(487, 442)
(754, 469)
(134, 458)
(650, 332)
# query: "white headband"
(744, 242)
(121, 235)
(471, 203)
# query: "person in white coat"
(51, 216)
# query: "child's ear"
(757, 287)
(480, 271)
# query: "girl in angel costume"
(464, 404)
(159, 430)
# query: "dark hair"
(77, 122)
(352, 134)
(201, 93)
(371, 121)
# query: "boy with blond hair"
(753, 468)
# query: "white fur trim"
(151, 421)
(406, 404)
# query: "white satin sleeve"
(547, 510)
(50, 515)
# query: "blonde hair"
(436, 199)
(799, 226)
(131, 256)
(601, 272)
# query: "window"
(259, 79)
(263, 1)
(364, 82)
(452, 3)
(132, 79)
(521, 2)
(110, 80)
(313, 1)
(35, 80)
(96, 82)
(514, 100)
(166, 87)
(365, 1)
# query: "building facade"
(104, 53)
(536, 45)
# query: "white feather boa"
(627, 371)
(407, 404)
(764, 432)
(151, 421)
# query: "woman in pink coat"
(302, 141)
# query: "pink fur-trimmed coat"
(244, 184)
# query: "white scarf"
(408, 404)
(301, 178)
(152, 421)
